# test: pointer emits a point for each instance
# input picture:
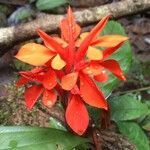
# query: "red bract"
(70, 65)
(45, 80)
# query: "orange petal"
(114, 67)
(65, 32)
(50, 80)
(84, 35)
(93, 69)
(35, 74)
(68, 81)
(103, 77)
(21, 81)
(81, 65)
(69, 27)
(87, 41)
(70, 31)
(34, 54)
(109, 40)
(108, 51)
(90, 93)
(49, 98)
(75, 90)
(59, 40)
(48, 40)
(94, 53)
(58, 63)
(77, 115)
(32, 94)
(78, 42)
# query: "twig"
(135, 90)
(14, 2)
(97, 139)
(13, 35)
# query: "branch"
(12, 35)
(134, 90)
(14, 2)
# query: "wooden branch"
(14, 2)
(13, 35)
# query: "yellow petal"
(84, 35)
(109, 40)
(58, 63)
(68, 81)
(34, 54)
(94, 53)
(61, 41)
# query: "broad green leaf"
(135, 134)
(54, 123)
(146, 123)
(34, 138)
(146, 126)
(122, 55)
(49, 4)
(127, 107)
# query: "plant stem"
(135, 90)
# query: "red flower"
(75, 64)
(45, 84)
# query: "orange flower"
(45, 83)
(72, 63)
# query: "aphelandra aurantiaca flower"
(69, 66)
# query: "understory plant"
(78, 70)
(68, 68)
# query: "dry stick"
(13, 35)
(14, 2)
(134, 90)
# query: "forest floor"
(12, 105)
(12, 108)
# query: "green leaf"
(146, 126)
(146, 123)
(54, 123)
(134, 133)
(123, 55)
(20, 65)
(20, 14)
(95, 114)
(127, 107)
(49, 4)
(34, 138)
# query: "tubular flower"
(73, 63)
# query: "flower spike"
(68, 67)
